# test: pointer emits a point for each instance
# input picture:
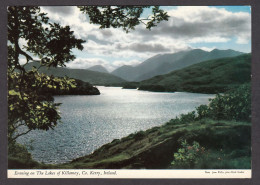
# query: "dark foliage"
(233, 105)
(126, 17)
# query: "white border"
(135, 174)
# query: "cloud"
(60, 10)
(22, 60)
(186, 26)
(198, 24)
(143, 47)
(71, 16)
(85, 63)
(119, 63)
(206, 48)
(106, 33)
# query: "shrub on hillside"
(194, 156)
(233, 105)
(191, 116)
(188, 155)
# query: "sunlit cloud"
(186, 26)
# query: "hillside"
(126, 72)
(213, 76)
(93, 77)
(165, 63)
(154, 148)
(98, 68)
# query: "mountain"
(212, 76)
(165, 63)
(98, 68)
(130, 73)
(126, 72)
(93, 77)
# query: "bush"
(202, 111)
(197, 157)
(183, 118)
(139, 135)
(233, 105)
(175, 121)
(189, 117)
(188, 155)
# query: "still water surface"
(88, 122)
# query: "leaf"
(13, 93)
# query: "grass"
(19, 157)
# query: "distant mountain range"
(156, 65)
(213, 76)
(98, 68)
(165, 63)
(93, 77)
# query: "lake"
(89, 122)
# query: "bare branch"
(13, 139)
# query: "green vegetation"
(188, 155)
(129, 85)
(79, 88)
(233, 105)
(209, 138)
(19, 157)
(196, 157)
(155, 148)
(214, 76)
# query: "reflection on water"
(88, 122)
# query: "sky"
(189, 27)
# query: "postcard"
(129, 92)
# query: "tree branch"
(21, 124)
(28, 57)
(13, 139)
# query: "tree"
(28, 107)
(126, 17)
(234, 104)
